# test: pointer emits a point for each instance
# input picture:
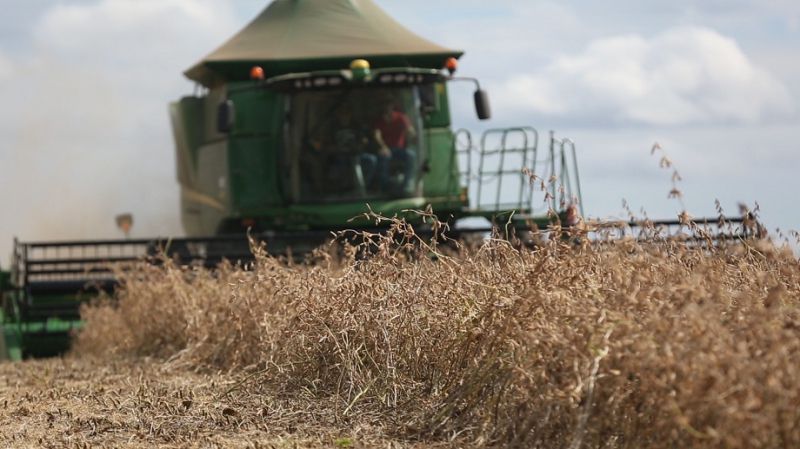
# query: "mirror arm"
(481, 98)
(466, 78)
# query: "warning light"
(359, 64)
(359, 68)
(256, 73)
(451, 65)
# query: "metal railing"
(71, 265)
(507, 170)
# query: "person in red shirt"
(393, 130)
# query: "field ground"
(86, 403)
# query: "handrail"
(558, 174)
(579, 195)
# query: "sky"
(85, 86)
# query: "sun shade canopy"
(305, 35)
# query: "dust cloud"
(85, 124)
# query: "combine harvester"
(314, 113)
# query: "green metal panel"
(441, 183)
(254, 173)
(442, 179)
(32, 327)
(10, 343)
(257, 110)
(32, 332)
(254, 145)
(439, 117)
(339, 215)
(46, 338)
(331, 216)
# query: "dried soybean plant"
(659, 344)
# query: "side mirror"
(226, 115)
(482, 107)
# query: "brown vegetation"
(656, 345)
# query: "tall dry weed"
(628, 345)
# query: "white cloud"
(794, 22)
(6, 68)
(682, 76)
(151, 35)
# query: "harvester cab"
(301, 134)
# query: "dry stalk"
(495, 344)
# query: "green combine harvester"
(313, 114)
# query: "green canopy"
(303, 35)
